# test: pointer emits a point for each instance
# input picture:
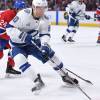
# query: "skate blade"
(63, 41)
(68, 42)
(8, 75)
(70, 86)
(38, 91)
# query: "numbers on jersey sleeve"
(3, 23)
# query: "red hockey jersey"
(98, 11)
(5, 17)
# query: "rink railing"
(56, 18)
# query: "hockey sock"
(57, 65)
(10, 62)
(31, 73)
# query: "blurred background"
(91, 5)
(57, 8)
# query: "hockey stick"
(68, 69)
(79, 77)
(77, 86)
(65, 74)
(90, 17)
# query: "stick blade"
(89, 82)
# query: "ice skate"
(64, 38)
(98, 41)
(39, 84)
(70, 39)
(10, 72)
(70, 82)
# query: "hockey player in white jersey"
(28, 30)
(75, 11)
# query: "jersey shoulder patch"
(27, 11)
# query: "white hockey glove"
(87, 17)
(45, 48)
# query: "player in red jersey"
(98, 18)
(5, 17)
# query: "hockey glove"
(87, 17)
(73, 14)
(65, 15)
(27, 38)
(45, 48)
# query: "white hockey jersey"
(77, 8)
(25, 22)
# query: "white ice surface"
(81, 57)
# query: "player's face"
(38, 11)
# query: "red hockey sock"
(10, 62)
(1, 54)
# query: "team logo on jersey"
(15, 19)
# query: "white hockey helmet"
(40, 3)
(39, 7)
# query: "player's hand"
(65, 15)
(73, 14)
(87, 17)
(45, 48)
(26, 37)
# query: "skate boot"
(98, 38)
(39, 84)
(69, 80)
(98, 41)
(70, 39)
(64, 38)
(10, 72)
